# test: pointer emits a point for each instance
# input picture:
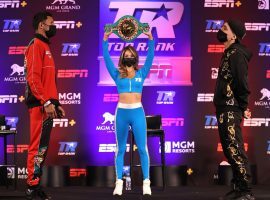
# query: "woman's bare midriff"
(129, 98)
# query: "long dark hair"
(122, 67)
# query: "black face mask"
(129, 61)
(221, 36)
(51, 32)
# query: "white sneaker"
(146, 187)
(118, 190)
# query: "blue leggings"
(134, 117)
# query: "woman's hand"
(107, 35)
(149, 34)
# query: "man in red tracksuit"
(41, 99)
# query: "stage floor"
(172, 193)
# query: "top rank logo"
(12, 122)
(12, 25)
(165, 97)
(211, 122)
(213, 25)
(264, 49)
(67, 148)
(221, 3)
(70, 49)
(12, 4)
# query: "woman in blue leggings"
(129, 112)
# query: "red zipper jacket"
(40, 73)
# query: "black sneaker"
(230, 195)
(36, 193)
(245, 196)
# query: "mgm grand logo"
(17, 75)
(63, 6)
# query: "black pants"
(233, 147)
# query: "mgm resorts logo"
(70, 98)
(179, 147)
(22, 172)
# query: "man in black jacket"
(231, 101)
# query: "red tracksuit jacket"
(40, 73)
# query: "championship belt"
(127, 28)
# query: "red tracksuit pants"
(40, 131)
